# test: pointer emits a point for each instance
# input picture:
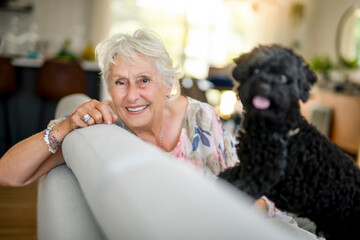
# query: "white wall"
(274, 22)
(321, 34)
(82, 21)
(316, 32)
(58, 20)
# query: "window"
(197, 33)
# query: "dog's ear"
(308, 78)
(236, 73)
(240, 70)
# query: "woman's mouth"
(136, 109)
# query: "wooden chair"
(58, 79)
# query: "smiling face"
(138, 93)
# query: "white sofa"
(116, 186)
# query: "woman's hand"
(261, 205)
(98, 112)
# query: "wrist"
(62, 129)
(51, 141)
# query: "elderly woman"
(145, 100)
(145, 97)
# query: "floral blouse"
(203, 141)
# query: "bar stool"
(57, 79)
(7, 88)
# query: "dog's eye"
(256, 71)
(283, 79)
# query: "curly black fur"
(281, 155)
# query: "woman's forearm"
(30, 159)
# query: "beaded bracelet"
(51, 140)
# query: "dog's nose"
(265, 87)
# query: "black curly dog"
(281, 155)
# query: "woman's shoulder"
(198, 106)
(200, 113)
(190, 105)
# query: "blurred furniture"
(345, 124)
(192, 90)
(24, 105)
(58, 79)
(321, 117)
(221, 77)
(7, 88)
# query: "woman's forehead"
(130, 61)
(123, 66)
(136, 58)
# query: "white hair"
(128, 47)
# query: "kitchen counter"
(345, 122)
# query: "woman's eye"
(144, 81)
(120, 82)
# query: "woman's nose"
(133, 93)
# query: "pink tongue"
(261, 102)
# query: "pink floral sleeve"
(203, 140)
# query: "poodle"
(281, 155)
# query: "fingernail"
(108, 122)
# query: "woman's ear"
(168, 90)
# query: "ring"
(86, 118)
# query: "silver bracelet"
(51, 140)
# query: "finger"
(110, 104)
(98, 111)
(90, 108)
(96, 116)
(107, 102)
(91, 121)
(104, 110)
(76, 120)
(86, 118)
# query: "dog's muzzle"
(260, 102)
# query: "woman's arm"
(29, 159)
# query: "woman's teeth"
(136, 109)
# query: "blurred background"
(47, 51)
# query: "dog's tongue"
(260, 102)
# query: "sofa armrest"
(62, 211)
(136, 191)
